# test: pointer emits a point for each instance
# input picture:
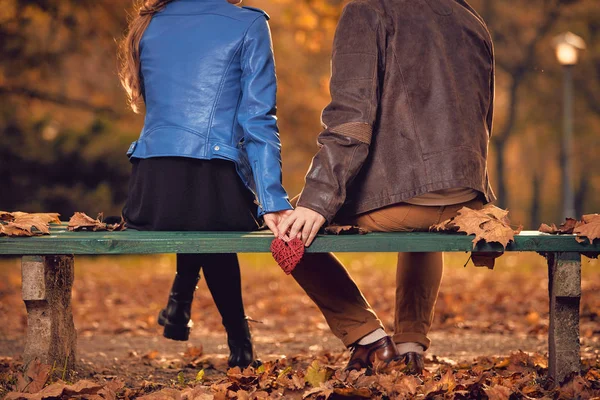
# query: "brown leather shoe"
(384, 350)
(414, 363)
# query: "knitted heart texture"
(287, 254)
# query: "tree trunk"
(535, 220)
(501, 194)
(581, 194)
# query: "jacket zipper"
(258, 191)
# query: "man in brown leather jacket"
(404, 146)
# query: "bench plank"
(61, 241)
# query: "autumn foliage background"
(65, 127)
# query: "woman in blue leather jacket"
(208, 157)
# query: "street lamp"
(567, 46)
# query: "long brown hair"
(129, 50)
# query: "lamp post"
(567, 46)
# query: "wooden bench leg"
(47, 283)
(564, 287)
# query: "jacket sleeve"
(349, 118)
(257, 117)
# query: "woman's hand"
(273, 219)
(304, 224)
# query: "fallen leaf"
(11, 229)
(590, 228)
(81, 221)
(24, 224)
(353, 392)
(567, 226)
(193, 352)
(484, 226)
(485, 258)
(490, 224)
(448, 381)
(407, 384)
(48, 218)
(498, 392)
(574, 388)
(6, 216)
(544, 228)
(81, 388)
(164, 394)
(345, 230)
(38, 373)
(316, 375)
(324, 391)
(151, 355)
(497, 213)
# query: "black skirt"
(186, 194)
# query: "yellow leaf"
(283, 373)
(316, 374)
(503, 364)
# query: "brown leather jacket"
(412, 90)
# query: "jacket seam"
(242, 46)
(410, 106)
(375, 76)
(220, 91)
(198, 13)
(427, 156)
(183, 128)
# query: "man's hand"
(273, 219)
(303, 224)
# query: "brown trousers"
(418, 278)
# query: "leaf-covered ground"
(489, 335)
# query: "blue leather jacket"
(209, 87)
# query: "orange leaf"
(590, 228)
(81, 221)
(485, 225)
(544, 228)
(498, 392)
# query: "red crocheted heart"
(287, 254)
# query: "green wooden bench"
(47, 275)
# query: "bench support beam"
(47, 283)
(564, 287)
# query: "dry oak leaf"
(588, 228)
(364, 393)
(498, 392)
(545, 228)
(24, 224)
(323, 391)
(81, 221)
(6, 216)
(11, 229)
(490, 224)
(38, 374)
(565, 228)
(60, 390)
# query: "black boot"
(240, 345)
(176, 317)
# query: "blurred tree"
(65, 125)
